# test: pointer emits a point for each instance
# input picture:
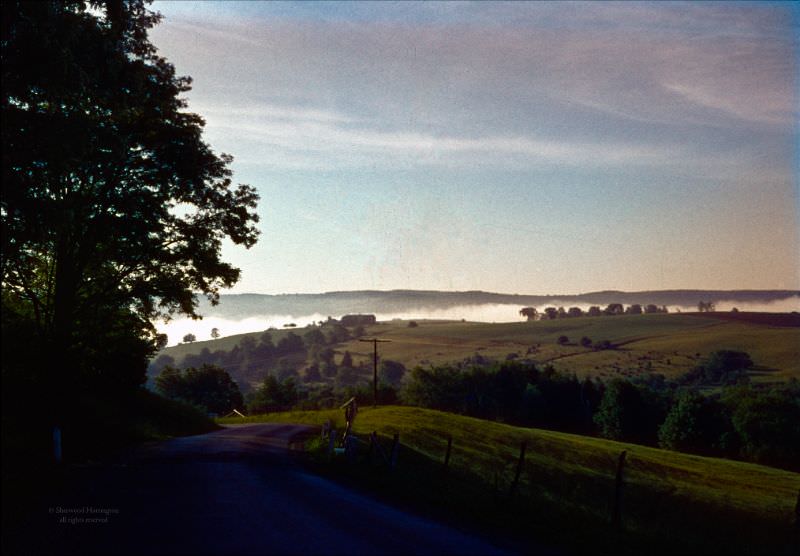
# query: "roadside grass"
(671, 502)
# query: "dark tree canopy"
(113, 207)
(210, 387)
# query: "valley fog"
(178, 328)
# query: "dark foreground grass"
(671, 502)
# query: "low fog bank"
(178, 328)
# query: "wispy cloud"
(292, 131)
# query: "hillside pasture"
(670, 344)
(690, 503)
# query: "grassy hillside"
(668, 344)
(226, 344)
(664, 343)
(684, 502)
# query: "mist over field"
(230, 325)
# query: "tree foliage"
(273, 395)
(113, 207)
(210, 387)
(529, 312)
(696, 423)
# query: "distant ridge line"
(338, 303)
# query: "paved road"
(235, 491)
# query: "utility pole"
(374, 342)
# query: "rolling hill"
(670, 344)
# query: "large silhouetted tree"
(114, 209)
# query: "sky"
(534, 148)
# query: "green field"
(689, 503)
(670, 344)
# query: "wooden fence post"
(447, 453)
(616, 516)
(395, 450)
(520, 463)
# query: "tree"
(594, 311)
(634, 309)
(723, 366)
(766, 423)
(620, 412)
(291, 343)
(694, 423)
(391, 372)
(706, 306)
(189, 338)
(563, 340)
(273, 395)
(575, 312)
(614, 309)
(314, 337)
(210, 387)
(312, 373)
(98, 153)
(529, 312)
(336, 333)
(651, 309)
(586, 342)
(603, 344)
(551, 313)
(347, 360)
(215, 333)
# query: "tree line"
(297, 369)
(552, 313)
(735, 419)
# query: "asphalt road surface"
(235, 491)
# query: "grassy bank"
(671, 502)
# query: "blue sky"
(512, 147)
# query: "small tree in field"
(215, 333)
(563, 340)
(529, 312)
(189, 338)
